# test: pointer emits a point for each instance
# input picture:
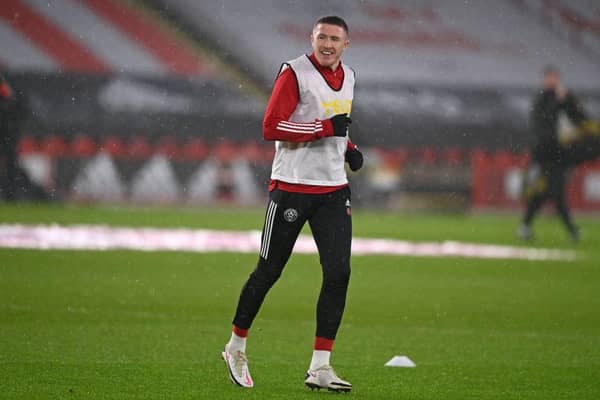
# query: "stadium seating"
(427, 73)
(98, 36)
(134, 97)
(576, 21)
(437, 43)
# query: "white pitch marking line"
(99, 237)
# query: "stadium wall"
(150, 119)
(175, 171)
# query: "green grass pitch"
(134, 325)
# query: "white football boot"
(237, 365)
(325, 378)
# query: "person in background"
(308, 117)
(10, 115)
(555, 117)
(15, 184)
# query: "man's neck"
(334, 66)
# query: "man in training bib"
(308, 117)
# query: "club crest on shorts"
(348, 207)
(290, 215)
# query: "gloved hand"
(590, 127)
(354, 158)
(340, 124)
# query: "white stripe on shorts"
(266, 240)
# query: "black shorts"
(329, 217)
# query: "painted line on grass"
(98, 237)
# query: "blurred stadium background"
(162, 101)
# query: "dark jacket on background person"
(14, 183)
(544, 119)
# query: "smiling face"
(328, 43)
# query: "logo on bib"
(290, 215)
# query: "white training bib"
(320, 162)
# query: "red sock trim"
(323, 344)
(240, 332)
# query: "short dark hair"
(550, 69)
(333, 20)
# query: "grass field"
(134, 325)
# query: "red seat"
(452, 156)
(55, 146)
(504, 159)
(225, 151)
(480, 157)
(114, 146)
(395, 158)
(268, 153)
(139, 148)
(169, 147)
(253, 152)
(195, 150)
(427, 155)
(28, 145)
(83, 146)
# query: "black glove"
(340, 124)
(354, 158)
